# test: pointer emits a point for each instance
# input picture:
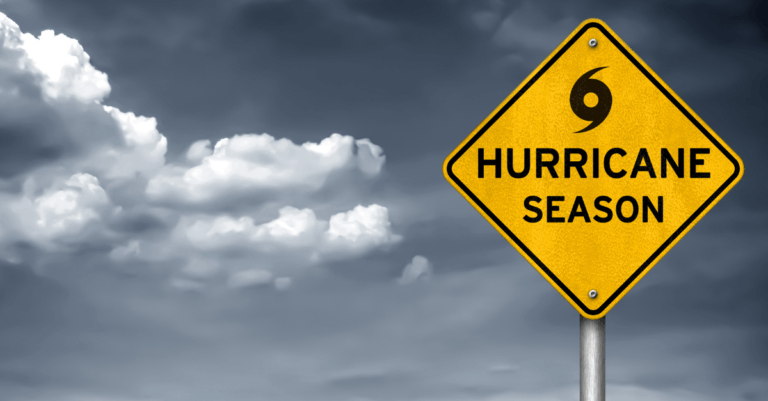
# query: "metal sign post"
(592, 359)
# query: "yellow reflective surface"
(644, 120)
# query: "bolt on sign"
(593, 168)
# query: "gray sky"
(138, 263)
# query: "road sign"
(593, 168)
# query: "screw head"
(593, 42)
(593, 293)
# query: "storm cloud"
(242, 200)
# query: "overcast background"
(138, 263)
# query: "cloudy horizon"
(243, 200)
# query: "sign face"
(593, 168)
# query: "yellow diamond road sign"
(593, 168)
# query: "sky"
(243, 200)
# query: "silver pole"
(592, 357)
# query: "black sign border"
(666, 243)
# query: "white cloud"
(295, 230)
(109, 186)
(144, 147)
(65, 211)
(361, 228)
(246, 164)
(60, 214)
(199, 150)
(69, 120)
(419, 268)
(370, 157)
(67, 214)
(63, 65)
(286, 246)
